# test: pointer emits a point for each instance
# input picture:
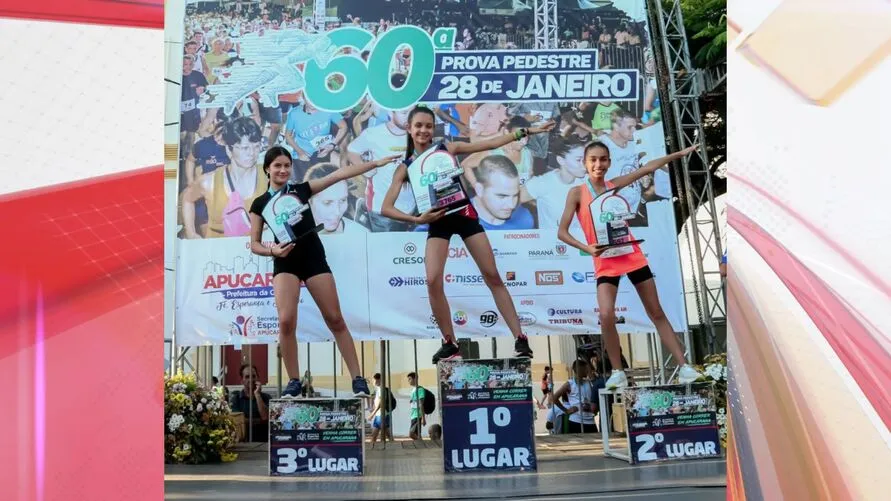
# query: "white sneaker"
(616, 381)
(688, 374)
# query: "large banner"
(259, 74)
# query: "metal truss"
(682, 85)
(546, 24)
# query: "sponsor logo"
(619, 320)
(460, 317)
(527, 302)
(565, 321)
(586, 277)
(520, 236)
(526, 318)
(552, 312)
(411, 249)
(488, 318)
(409, 260)
(500, 253)
(548, 278)
(510, 280)
(407, 281)
(433, 325)
(463, 279)
(457, 252)
(541, 253)
(557, 252)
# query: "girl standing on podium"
(304, 261)
(463, 223)
(609, 270)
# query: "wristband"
(520, 134)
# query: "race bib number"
(185, 106)
(320, 142)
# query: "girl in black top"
(463, 223)
(304, 260)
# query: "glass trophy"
(610, 213)
(284, 214)
(436, 182)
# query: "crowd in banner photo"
(257, 75)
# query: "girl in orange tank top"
(602, 212)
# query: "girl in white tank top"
(582, 400)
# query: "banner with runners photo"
(335, 90)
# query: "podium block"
(487, 415)
(317, 437)
(665, 423)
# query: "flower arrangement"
(197, 425)
(714, 369)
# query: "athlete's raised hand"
(545, 127)
(384, 161)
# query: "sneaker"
(616, 381)
(688, 374)
(521, 347)
(448, 351)
(360, 387)
(293, 390)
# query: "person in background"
(228, 191)
(308, 135)
(253, 402)
(498, 196)
(378, 420)
(416, 402)
(582, 402)
(723, 266)
(555, 415)
(330, 206)
(306, 382)
(436, 434)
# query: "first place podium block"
(487, 415)
(316, 437)
(665, 423)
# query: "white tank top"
(577, 396)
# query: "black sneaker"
(294, 389)
(360, 387)
(448, 351)
(521, 347)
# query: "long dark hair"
(409, 144)
(271, 155)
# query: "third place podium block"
(487, 415)
(316, 437)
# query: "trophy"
(284, 216)
(436, 182)
(610, 213)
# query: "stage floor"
(570, 467)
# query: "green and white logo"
(476, 374)
(307, 415)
